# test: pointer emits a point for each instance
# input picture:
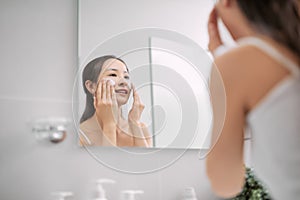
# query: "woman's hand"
(215, 40)
(106, 106)
(139, 131)
(135, 113)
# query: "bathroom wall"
(38, 54)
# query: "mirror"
(167, 65)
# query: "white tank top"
(275, 130)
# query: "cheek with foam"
(112, 82)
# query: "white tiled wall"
(37, 69)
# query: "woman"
(261, 79)
(106, 82)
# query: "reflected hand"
(213, 31)
(137, 108)
(105, 103)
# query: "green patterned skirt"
(253, 188)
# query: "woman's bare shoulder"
(237, 62)
(250, 72)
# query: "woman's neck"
(92, 123)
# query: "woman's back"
(275, 128)
(260, 79)
(274, 121)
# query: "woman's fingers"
(113, 94)
(213, 16)
(103, 92)
(136, 97)
(133, 93)
(98, 93)
(213, 31)
(108, 90)
(137, 100)
(98, 90)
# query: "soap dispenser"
(62, 195)
(189, 194)
(101, 194)
(130, 194)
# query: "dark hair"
(91, 72)
(278, 19)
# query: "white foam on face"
(112, 82)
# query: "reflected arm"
(139, 130)
(140, 134)
(109, 135)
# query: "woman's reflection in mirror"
(107, 85)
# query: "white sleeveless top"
(275, 130)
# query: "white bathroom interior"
(44, 43)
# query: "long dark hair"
(91, 72)
(278, 19)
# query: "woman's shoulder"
(240, 60)
(249, 72)
(248, 60)
(236, 66)
(89, 133)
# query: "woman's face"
(116, 70)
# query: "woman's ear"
(90, 86)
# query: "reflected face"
(116, 70)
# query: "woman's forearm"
(147, 134)
(109, 135)
(138, 134)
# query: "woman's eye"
(114, 75)
(126, 77)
